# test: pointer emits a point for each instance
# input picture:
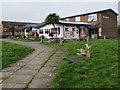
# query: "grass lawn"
(100, 71)
(0, 54)
(27, 40)
(13, 52)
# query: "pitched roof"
(90, 13)
(40, 25)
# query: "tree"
(53, 19)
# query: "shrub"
(51, 34)
(42, 36)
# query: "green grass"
(27, 40)
(100, 71)
(0, 54)
(13, 52)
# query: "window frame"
(76, 19)
(47, 31)
(41, 30)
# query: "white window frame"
(92, 17)
(67, 19)
(41, 30)
(77, 19)
(47, 31)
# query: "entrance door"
(12, 30)
(94, 33)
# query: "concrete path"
(36, 70)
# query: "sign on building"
(92, 17)
(68, 35)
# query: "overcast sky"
(37, 11)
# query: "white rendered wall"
(62, 30)
(49, 27)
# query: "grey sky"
(37, 11)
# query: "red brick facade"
(12, 28)
(107, 19)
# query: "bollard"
(61, 42)
(104, 37)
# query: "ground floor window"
(41, 31)
(56, 31)
(73, 29)
(47, 31)
(66, 29)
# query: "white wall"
(76, 35)
(62, 28)
(49, 27)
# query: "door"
(94, 33)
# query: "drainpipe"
(63, 31)
(12, 30)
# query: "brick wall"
(108, 26)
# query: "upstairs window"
(77, 19)
(92, 17)
(67, 19)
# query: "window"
(41, 31)
(73, 29)
(16, 27)
(67, 19)
(77, 19)
(34, 30)
(92, 17)
(52, 30)
(47, 31)
(58, 31)
(66, 29)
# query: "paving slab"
(10, 69)
(31, 67)
(36, 62)
(48, 69)
(46, 75)
(8, 85)
(51, 64)
(54, 61)
(19, 86)
(6, 74)
(26, 72)
(17, 64)
(40, 83)
(18, 79)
